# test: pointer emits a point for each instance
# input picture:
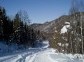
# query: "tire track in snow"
(21, 57)
(24, 56)
(8, 58)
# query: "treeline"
(73, 40)
(76, 33)
(18, 29)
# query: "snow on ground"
(42, 55)
(50, 55)
(43, 44)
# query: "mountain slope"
(57, 31)
(49, 27)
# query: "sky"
(39, 11)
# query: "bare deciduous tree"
(76, 13)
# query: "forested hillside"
(18, 29)
(67, 32)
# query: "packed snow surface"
(44, 54)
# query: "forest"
(18, 29)
(71, 41)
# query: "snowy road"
(42, 55)
(20, 57)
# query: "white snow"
(65, 27)
(64, 30)
(42, 55)
(59, 44)
(66, 44)
(45, 44)
(68, 23)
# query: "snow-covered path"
(50, 55)
(20, 57)
(42, 55)
(42, 58)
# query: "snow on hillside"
(65, 27)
